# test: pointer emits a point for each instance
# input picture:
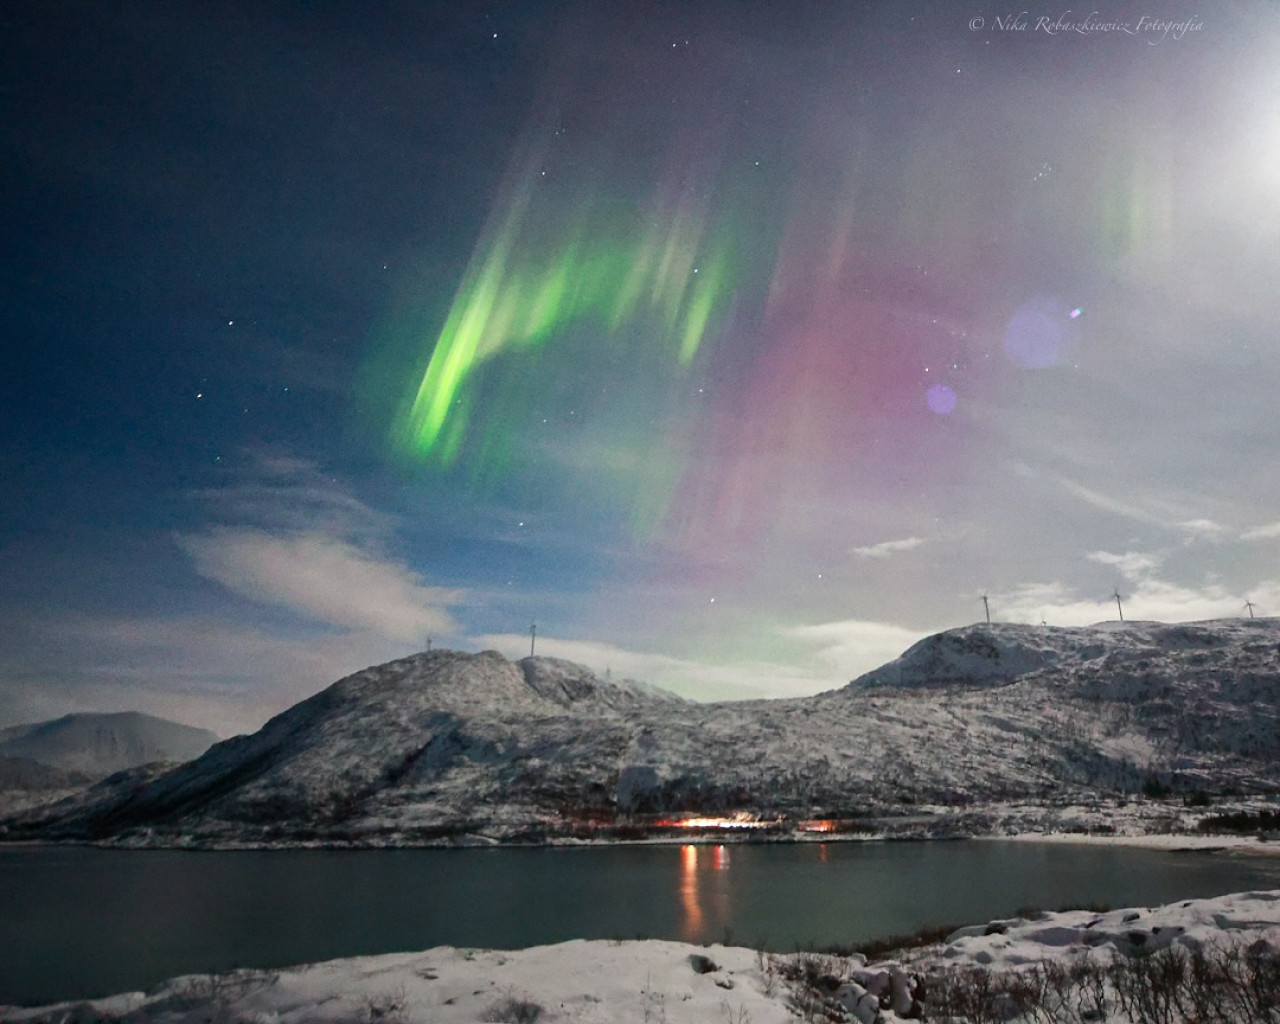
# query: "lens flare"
(1040, 334)
(940, 399)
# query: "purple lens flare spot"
(940, 399)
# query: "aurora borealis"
(736, 345)
(612, 282)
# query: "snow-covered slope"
(99, 744)
(444, 745)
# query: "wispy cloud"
(276, 491)
(854, 646)
(1205, 529)
(889, 547)
(1268, 532)
(823, 657)
(697, 680)
(1132, 565)
(295, 538)
(1056, 604)
(204, 670)
(1109, 504)
(1147, 598)
(326, 579)
(1152, 510)
(684, 676)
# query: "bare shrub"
(387, 1008)
(738, 1016)
(212, 996)
(513, 1011)
(1227, 983)
(879, 948)
(769, 969)
(653, 1003)
(813, 980)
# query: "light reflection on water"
(78, 921)
(699, 866)
(691, 924)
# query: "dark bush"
(513, 1011)
(1231, 983)
(880, 948)
(1241, 821)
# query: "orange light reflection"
(692, 924)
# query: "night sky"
(738, 345)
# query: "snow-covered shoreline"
(655, 980)
(1174, 842)
(1152, 825)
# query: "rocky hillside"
(100, 744)
(444, 745)
(25, 783)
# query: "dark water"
(84, 922)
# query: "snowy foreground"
(673, 982)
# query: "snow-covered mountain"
(100, 744)
(445, 744)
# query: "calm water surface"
(84, 922)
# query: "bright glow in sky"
(735, 349)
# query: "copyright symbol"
(975, 24)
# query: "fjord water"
(78, 922)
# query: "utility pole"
(428, 643)
(533, 634)
(1118, 608)
(1249, 605)
(986, 608)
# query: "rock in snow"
(452, 747)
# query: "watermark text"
(1155, 30)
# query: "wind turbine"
(533, 635)
(1249, 605)
(986, 607)
(1116, 595)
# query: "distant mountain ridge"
(100, 744)
(444, 745)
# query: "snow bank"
(595, 981)
(1191, 924)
